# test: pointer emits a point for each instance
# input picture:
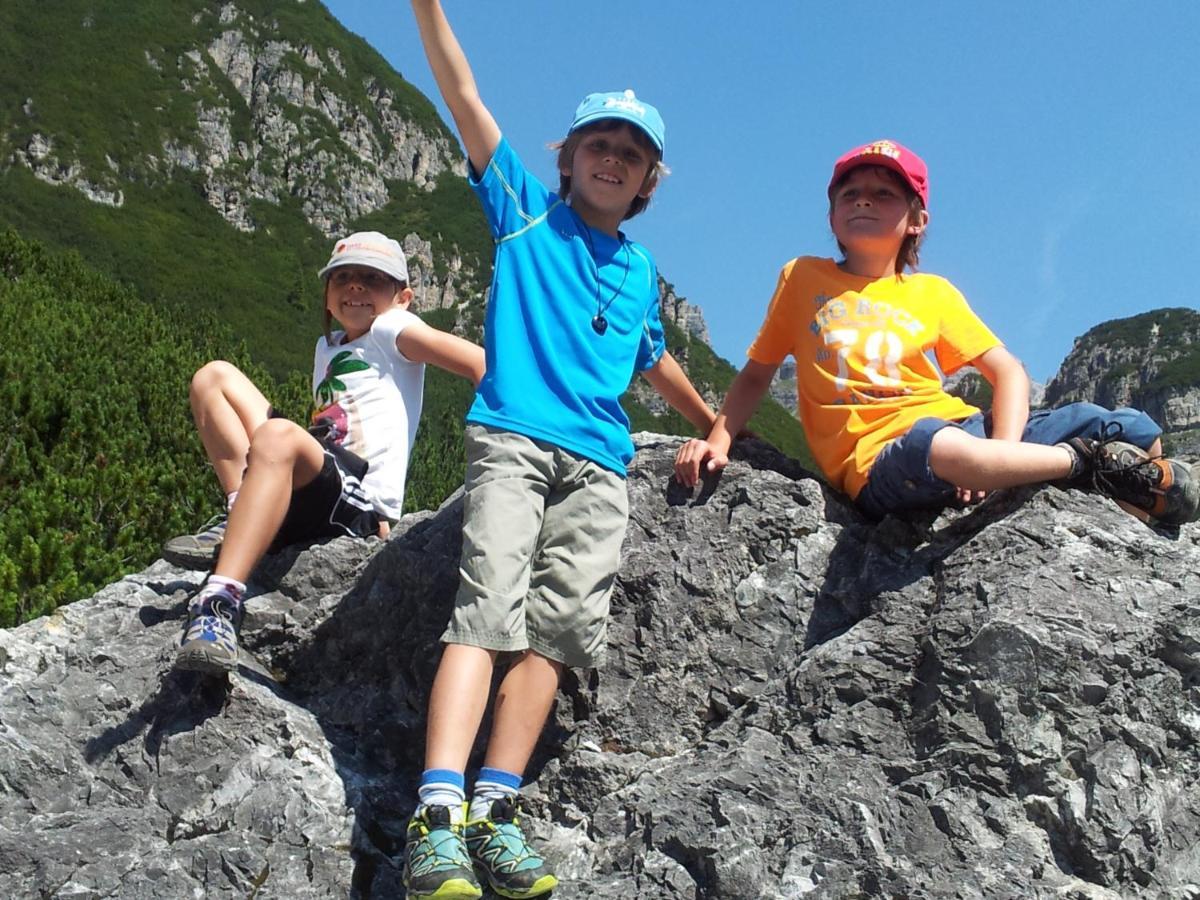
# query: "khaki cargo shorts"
(542, 534)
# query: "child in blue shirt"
(573, 314)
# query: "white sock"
(229, 498)
(230, 587)
(492, 784)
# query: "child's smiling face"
(870, 212)
(356, 295)
(608, 170)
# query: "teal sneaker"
(499, 850)
(436, 863)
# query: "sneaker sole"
(453, 889)
(543, 885)
(198, 560)
(203, 659)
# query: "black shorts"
(332, 504)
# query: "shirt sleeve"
(386, 328)
(512, 198)
(653, 343)
(777, 335)
(962, 336)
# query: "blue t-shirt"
(550, 376)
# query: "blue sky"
(1062, 138)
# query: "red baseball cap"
(890, 155)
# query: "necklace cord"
(599, 322)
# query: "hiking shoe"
(210, 638)
(436, 863)
(499, 850)
(1164, 489)
(197, 551)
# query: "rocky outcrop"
(39, 156)
(783, 385)
(1149, 361)
(308, 137)
(797, 703)
(676, 309)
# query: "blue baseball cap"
(621, 105)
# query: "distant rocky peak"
(1149, 361)
(675, 308)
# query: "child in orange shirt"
(877, 419)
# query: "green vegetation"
(100, 462)
(1175, 324)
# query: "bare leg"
(522, 704)
(980, 464)
(283, 458)
(456, 704)
(228, 409)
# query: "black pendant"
(599, 324)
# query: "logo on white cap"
(627, 102)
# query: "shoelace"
(1144, 473)
(444, 844)
(215, 525)
(218, 605)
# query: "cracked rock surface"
(797, 703)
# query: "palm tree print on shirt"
(329, 412)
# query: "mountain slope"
(209, 154)
(1149, 361)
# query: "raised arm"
(743, 398)
(479, 131)
(668, 378)
(424, 343)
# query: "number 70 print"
(881, 349)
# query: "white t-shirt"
(372, 394)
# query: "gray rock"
(996, 703)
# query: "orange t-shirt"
(862, 374)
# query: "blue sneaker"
(199, 550)
(210, 638)
(436, 863)
(499, 850)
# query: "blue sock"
(492, 784)
(443, 787)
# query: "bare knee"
(277, 440)
(950, 449)
(211, 377)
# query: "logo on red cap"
(891, 155)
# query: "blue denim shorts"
(901, 479)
